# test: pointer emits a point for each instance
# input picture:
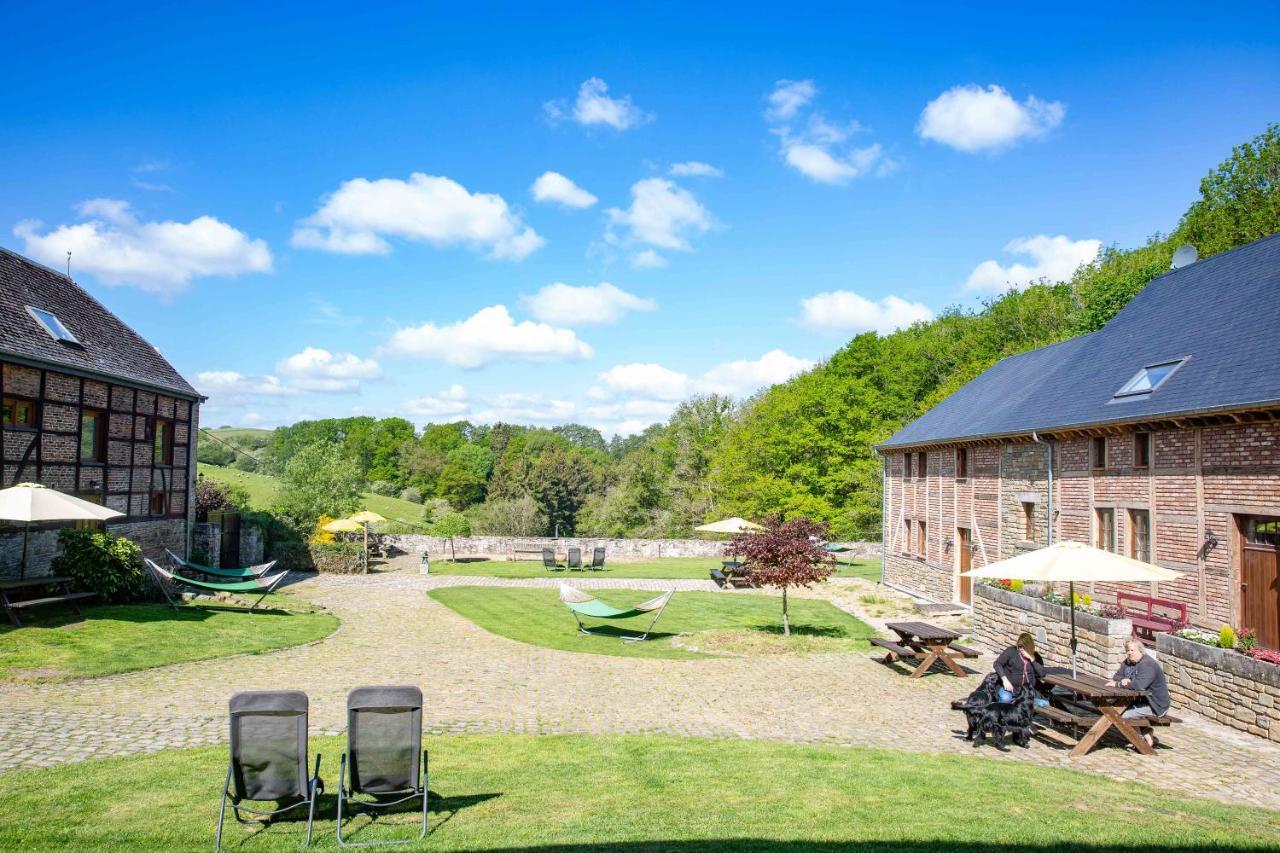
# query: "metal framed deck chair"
(581, 604)
(269, 758)
(549, 560)
(216, 572)
(597, 560)
(163, 577)
(384, 742)
(574, 559)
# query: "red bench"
(1141, 611)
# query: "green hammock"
(581, 604)
(261, 585)
(214, 571)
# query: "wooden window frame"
(922, 534)
(962, 463)
(906, 466)
(1142, 449)
(1098, 447)
(151, 503)
(1133, 549)
(922, 464)
(908, 536)
(99, 417)
(1105, 523)
(12, 400)
(165, 449)
(1028, 521)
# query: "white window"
(1149, 378)
(52, 325)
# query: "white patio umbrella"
(28, 502)
(730, 525)
(1072, 562)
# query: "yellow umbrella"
(1071, 562)
(730, 525)
(343, 525)
(366, 517)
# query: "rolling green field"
(555, 794)
(669, 569)
(127, 637)
(262, 491)
(536, 616)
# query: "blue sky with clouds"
(543, 215)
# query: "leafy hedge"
(99, 562)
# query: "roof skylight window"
(1149, 378)
(53, 326)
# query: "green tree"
(508, 517)
(1240, 200)
(465, 475)
(560, 481)
(318, 480)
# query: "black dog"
(1003, 718)
(986, 694)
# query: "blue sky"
(317, 213)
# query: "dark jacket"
(1013, 666)
(1146, 674)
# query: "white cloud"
(816, 148)
(743, 377)
(1053, 259)
(359, 216)
(846, 311)
(527, 408)
(695, 169)
(228, 389)
(316, 369)
(648, 260)
(971, 118)
(553, 186)
(594, 106)
(646, 380)
(662, 214)
(163, 257)
(566, 305)
(487, 336)
(451, 402)
(788, 98)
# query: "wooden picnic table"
(1110, 701)
(928, 642)
(65, 596)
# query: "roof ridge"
(24, 259)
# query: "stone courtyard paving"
(473, 681)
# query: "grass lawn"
(126, 637)
(536, 616)
(668, 569)
(651, 794)
(263, 489)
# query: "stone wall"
(207, 538)
(503, 547)
(1223, 685)
(42, 548)
(914, 575)
(1000, 615)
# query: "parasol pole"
(1071, 586)
(22, 569)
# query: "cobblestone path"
(473, 681)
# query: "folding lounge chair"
(581, 604)
(549, 560)
(384, 741)
(269, 757)
(574, 560)
(262, 585)
(597, 559)
(216, 572)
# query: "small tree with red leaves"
(785, 554)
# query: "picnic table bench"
(64, 595)
(1141, 611)
(929, 643)
(1087, 701)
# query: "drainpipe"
(1048, 443)
(884, 509)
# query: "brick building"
(1157, 436)
(91, 409)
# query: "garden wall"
(152, 536)
(503, 547)
(1000, 615)
(1223, 685)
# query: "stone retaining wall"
(42, 547)
(503, 547)
(1223, 685)
(1000, 615)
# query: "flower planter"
(1223, 685)
(999, 615)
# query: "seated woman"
(1019, 666)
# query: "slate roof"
(110, 348)
(1222, 314)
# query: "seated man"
(1139, 671)
(1019, 666)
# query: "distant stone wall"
(1000, 615)
(504, 547)
(42, 547)
(914, 575)
(1223, 685)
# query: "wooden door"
(1260, 580)
(966, 561)
(229, 548)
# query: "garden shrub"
(1016, 585)
(337, 558)
(99, 562)
(1247, 639)
(1226, 638)
(1264, 654)
(411, 495)
(386, 488)
(280, 542)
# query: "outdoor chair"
(581, 604)
(574, 560)
(597, 560)
(384, 740)
(269, 758)
(549, 560)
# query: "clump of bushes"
(386, 488)
(99, 562)
(411, 495)
(337, 558)
(1226, 638)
